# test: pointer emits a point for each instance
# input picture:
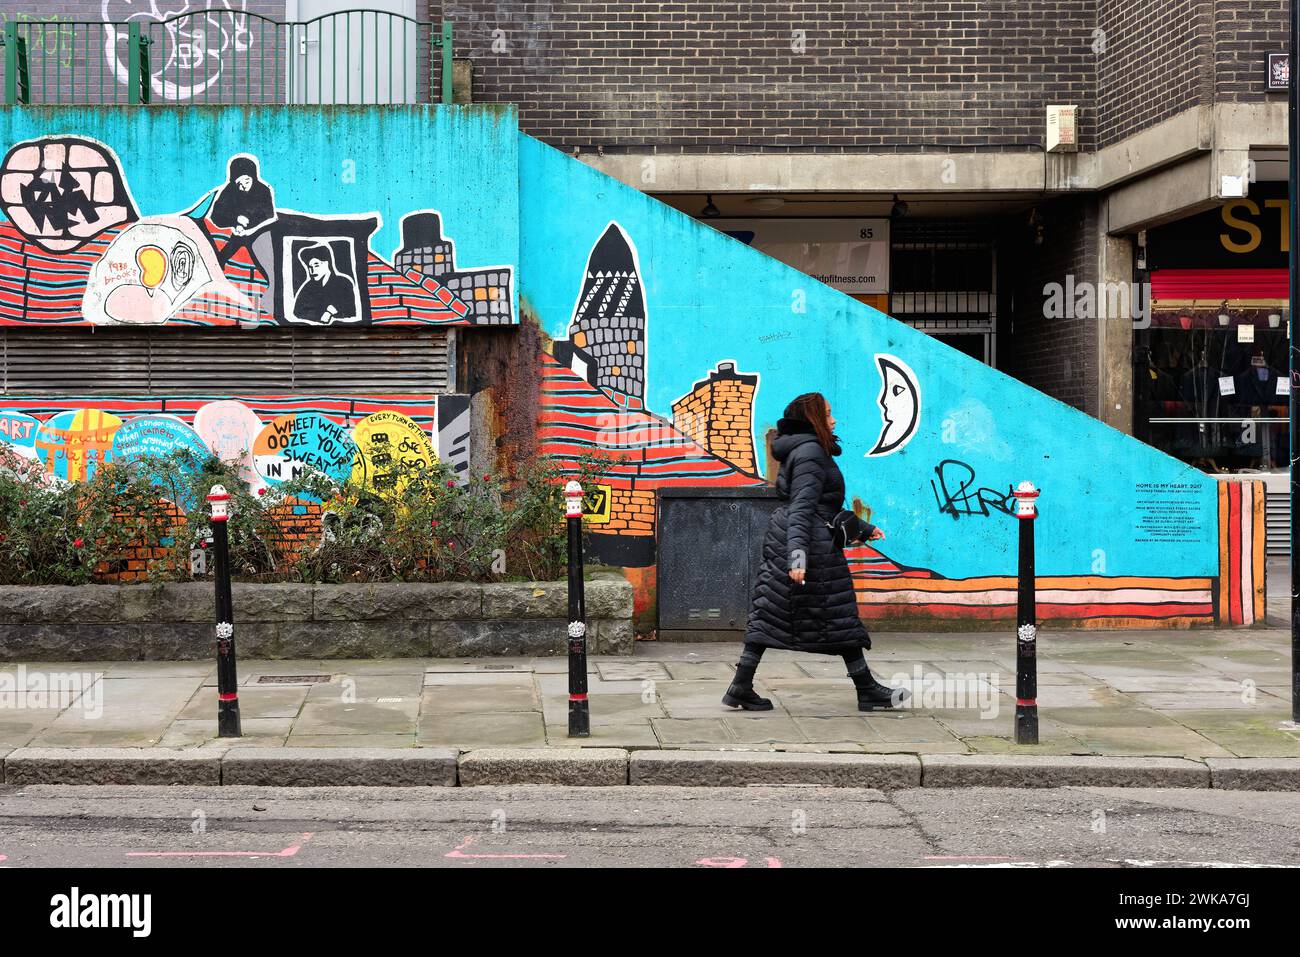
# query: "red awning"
(1219, 284)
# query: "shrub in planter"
(426, 526)
(139, 520)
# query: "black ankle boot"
(741, 693)
(873, 696)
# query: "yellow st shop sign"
(1247, 219)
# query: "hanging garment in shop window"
(1200, 387)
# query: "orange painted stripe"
(1223, 553)
(1234, 553)
(1045, 611)
(1258, 539)
(1062, 582)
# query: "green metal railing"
(224, 56)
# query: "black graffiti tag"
(955, 496)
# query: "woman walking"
(804, 599)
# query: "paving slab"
(462, 699)
(628, 670)
(836, 730)
(765, 730)
(603, 734)
(382, 741)
(257, 732)
(741, 768)
(573, 767)
(692, 732)
(1193, 702)
(1173, 741)
(1050, 771)
(907, 727)
(712, 670)
(358, 717)
(254, 702)
(619, 708)
(367, 686)
(479, 679)
(340, 767)
(487, 730)
(698, 699)
(1245, 744)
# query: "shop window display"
(1213, 394)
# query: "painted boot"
(873, 696)
(741, 693)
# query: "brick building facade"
(669, 87)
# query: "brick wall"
(1153, 61)
(685, 76)
(1245, 31)
(1057, 356)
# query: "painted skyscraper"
(606, 344)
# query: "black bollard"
(227, 681)
(1026, 626)
(579, 715)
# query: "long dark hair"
(812, 407)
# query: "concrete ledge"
(1054, 771)
(576, 767)
(1255, 774)
(113, 766)
(340, 767)
(738, 768)
(4, 752)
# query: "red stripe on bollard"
(227, 697)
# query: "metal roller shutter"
(146, 362)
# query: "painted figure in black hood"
(803, 597)
(244, 205)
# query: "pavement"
(1209, 698)
(754, 827)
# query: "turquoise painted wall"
(710, 298)
(322, 161)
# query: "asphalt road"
(643, 827)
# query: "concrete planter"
(175, 622)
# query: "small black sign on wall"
(1279, 71)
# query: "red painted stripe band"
(228, 697)
(577, 697)
(1028, 702)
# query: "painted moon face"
(900, 405)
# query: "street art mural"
(900, 405)
(671, 351)
(190, 53)
(94, 232)
(933, 441)
(272, 438)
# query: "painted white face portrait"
(900, 404)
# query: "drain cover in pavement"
(293, 680)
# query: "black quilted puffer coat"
(820, 615)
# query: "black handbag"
(847, 528)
